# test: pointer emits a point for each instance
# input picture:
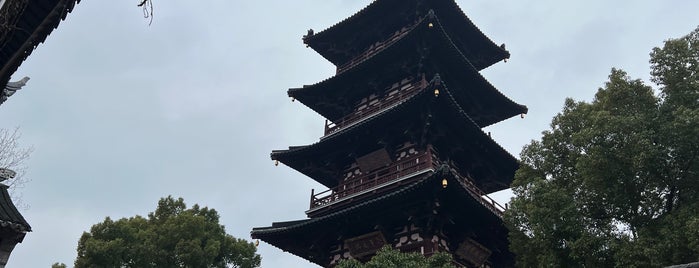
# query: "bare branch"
(147, 6)
(13, 156)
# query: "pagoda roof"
(29, 23)
(322, 160)
(335, 97)
(307, 238)
(346, 39)
(10, 218)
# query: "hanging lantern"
(430, 25)
(436, 92)
(521, 115)
(276, 163)
(257, 242)
(293, 99)
(444, 183)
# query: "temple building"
(403, 155)
(23, 25)
(13, 227)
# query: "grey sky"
(121, 114)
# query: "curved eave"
(37, 21)
(487, 95)
(311, 95)
(9, 215)
(375, 14)
(485, 104)
(298, 236)
(300, 226)
(329, 144)
(503, 164)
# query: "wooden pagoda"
(403, 154)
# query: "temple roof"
(307, 238)
(335, 97)
(450, 129)
(9, 216)
(346, 39)
(29, 23)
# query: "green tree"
(614, 182)
(58, 265)
(171, 236)
(389, 258)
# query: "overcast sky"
(121, 113)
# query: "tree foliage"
(59, 265)
(389, 258)
(171, 236)
(614, 182)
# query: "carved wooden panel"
(374, 160)
(365, 244)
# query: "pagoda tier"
(430, 50)
(423, 216)
(371, 26)
(414, 118)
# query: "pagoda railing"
(378, 180)
(394, 95)
(374, 48)
(478, 194)
(387, 178)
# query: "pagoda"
(403, 154)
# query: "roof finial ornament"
(503, 48)
(308, 34)
(6, 174)
(11, 88)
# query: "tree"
(13, 156)
(58, 265)
(389, 258)
(614, 182)
(171, 236)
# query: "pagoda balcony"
(478, 194)
(375, 48)
(397, 93)
(395, 175)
